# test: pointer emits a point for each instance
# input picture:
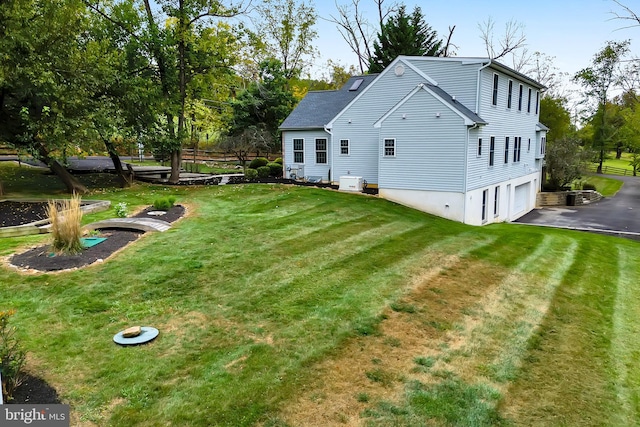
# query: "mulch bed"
(42, 259)
(34, 391)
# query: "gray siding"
(356, 124)
(311, 168)
(456, 79)
(503, 122)
(429, 150)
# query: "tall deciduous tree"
(597, 82)
(264, 104)
(43, 82)
(404, 34)
(287, 30)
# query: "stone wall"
(559, 198)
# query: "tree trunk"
(175, 166)
(73, 185)
(126, 178)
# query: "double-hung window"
(496, 198)
(494, 99)
(298, 150)
(492, 149)
(506, 150)
(321, 150)
(517, 146)
(529, 102)
(520, 92)
(479, 147)
(390, 147)
(510, 94)
(537, 101)
(344, 147)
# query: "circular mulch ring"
(42, 259)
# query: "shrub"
(121, 210)
(164, 203)
(263, 171)
(278, 160)
(251, 174)
(65, 217)
(589, 186)
(257, 162)
(12, 357)
(275, 169)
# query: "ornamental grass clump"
(12, 357)
(65, 217)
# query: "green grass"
(622, 162)
(262, 283)
(608, 187)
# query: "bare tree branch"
(449, 47)
(512, 40)
(629, 15)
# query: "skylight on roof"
(356, 85)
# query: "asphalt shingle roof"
(457, 105)
(318, 108)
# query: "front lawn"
(282, 305)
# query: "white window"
(344, 147)
(529, 102)
(510, 94)
(537, 101)
(298, 150)
(529, 145)
(496, 198)
(321, 151)
(390, 147)
(492, 149)
(494, 99)
(543, 145)
(479, 147)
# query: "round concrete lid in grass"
(147, 333)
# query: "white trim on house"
(467, 121)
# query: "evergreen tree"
(404, 34)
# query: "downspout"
(466, 169)
(331, 171)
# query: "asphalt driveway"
(619, 215)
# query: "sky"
(572, 31)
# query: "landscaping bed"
(41, 258)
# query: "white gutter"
(478, 86)
(331, 171)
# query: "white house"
(456, 137)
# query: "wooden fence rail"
(609, 170)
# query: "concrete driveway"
(618, 215)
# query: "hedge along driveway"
(261, 285)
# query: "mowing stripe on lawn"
(626, 339)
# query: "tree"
(565, 160)
(44, 80)
(512, 42)
(264, 104)
(287, 30)
(404, 34)
(555, 115)
(251, 139)
(597, 81)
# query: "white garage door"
(520, 198)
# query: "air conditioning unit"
(296, 172)
(351, 183)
